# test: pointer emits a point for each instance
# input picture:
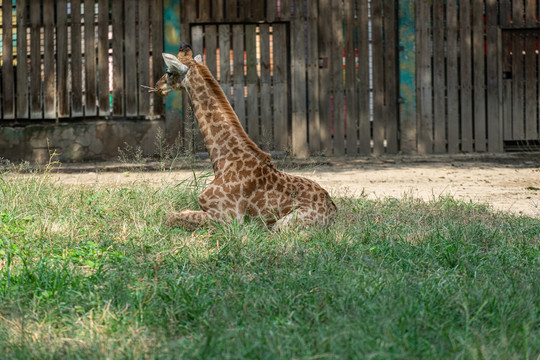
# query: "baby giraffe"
(246, 182)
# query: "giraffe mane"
(228, 111)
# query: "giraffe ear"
(198, 59)
(174, 64)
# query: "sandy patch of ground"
(508, 183)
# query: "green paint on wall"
(171, 24)
(407, 75)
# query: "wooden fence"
(309, 76)
(65, 59)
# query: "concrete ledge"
(78, 141)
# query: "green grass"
(92, 272)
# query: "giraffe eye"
(169, 72)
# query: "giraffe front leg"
(188, 219)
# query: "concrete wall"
(77, 141)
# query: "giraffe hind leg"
(188, 219)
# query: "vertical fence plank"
(452, 71)
(350, 78)
(49, 89)
(299, 146)
(257, 11)
(230, 10)
(238, 73)
(517, 87)
(157, 50)
(225, 59)
(493, 71)
(35, 60)
(252, 82)
(325, 76)
(8, 91)
(507, 85)
(217, 10)
(281, 103)
(439, 111)
(117, 17)
(313, 80)
(22, 61)
(531, 98)
(89, 59)
(144, 57)
(378, 77)
(466, 77)
(271, 10)
(337, 69)
(130, 57)
(62, 58)
(285, 10)
(204, 10)
(76, 60)
(210, 40)
(391, 73)
(197, 36)
(103, 57)
(479, 77)
(364, 121)
(266, 110)
(423, 56)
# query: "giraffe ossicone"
(246, 182)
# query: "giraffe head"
(177, 70)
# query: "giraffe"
(246, 182)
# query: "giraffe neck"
(223, 135)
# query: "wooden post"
(298, 84)
(22, 61)
(7, 63)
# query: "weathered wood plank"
(8, 81)
(62, 58)
(299, 146)
(479, 77)
(466, 77)
(218, 10)
(439, 110)
(493, 71)
(313, 80)
(266, 105)
(350, 79)
(506, 48)
(378, 78)
(130, 57)
(49, 88)
(424, 78)
(144, 58)
(281, 96)
(204, 11)
(531, 13)
(118, 58)
(285, 10)
(157, 50)
(364, 121)
(325, 76)
(252, 101)
(271, 10)
(452, 71)
(517, 87)
(257, 11)
(225, 59)
(518, 18)
(531, 98)
(231, 10)
(90, 59)
(197, 45)
(103, 58)
(22, 61)
(391, 77)
(76, 60)
(505, 13)
(35, 61)
(210, 40)
(238, 73)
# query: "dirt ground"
(509, 182)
